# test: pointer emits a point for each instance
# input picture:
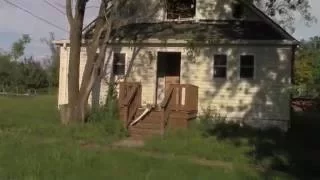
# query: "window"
(119, 60)
(237, 10)
(247, 66)
(220, 66)
(177, 9)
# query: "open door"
(168, 72)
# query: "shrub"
(209, 120)
(107, 116)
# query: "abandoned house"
(224, 56)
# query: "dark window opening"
(237, 10)
(119, 62)
(247, 66)
(177, 9)
(220, 66)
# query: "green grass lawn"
(33, 145)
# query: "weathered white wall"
(262, 101)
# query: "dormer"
(180, 10)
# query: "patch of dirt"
(89, 145)
(129, 143)
(194, 160)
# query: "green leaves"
(18, 47)
(19, 75)
(307, 64)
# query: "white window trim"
(212, 69)
(254, 66)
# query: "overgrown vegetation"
(108, 117)
(33, 145)
(275, 154)
(20, 74)
(307, 69)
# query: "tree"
(112, 15)
(18, 47)
(307, 64)
(5, 70)
(17, 73)
(284, 11)
(52, 63)
(33, 75)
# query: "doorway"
(168, 72)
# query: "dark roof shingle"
(200, 31)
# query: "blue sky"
(14, 23)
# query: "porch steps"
(152, 125)
(149, 126)
(179, 106)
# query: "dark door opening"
(168, 71)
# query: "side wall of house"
(265, 100)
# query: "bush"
(108, 117)
(209, 120)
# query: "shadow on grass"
(295, 152)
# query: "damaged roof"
(227, 30)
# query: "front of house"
(240, 60)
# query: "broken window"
(237, 10)
(220, 66)
(119, 62)
(247, 66)
(177, 9)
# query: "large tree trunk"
(74, 111)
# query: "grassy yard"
(33, 145)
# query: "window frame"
(114, 65)
(253, 66)
(220, 66)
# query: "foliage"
(307, 64)
(18, 47)
(107, 116)
(209, 119)
(306, 91)
(284, 11)
(22, 76)
(293, 153)
(17, 74)
(52, 63)
(33, 145)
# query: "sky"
(14, 22)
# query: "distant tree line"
(21, 74)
